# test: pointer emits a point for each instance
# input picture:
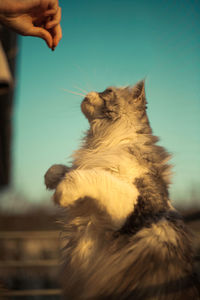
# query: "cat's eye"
(105, 93)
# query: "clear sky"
(110, 42)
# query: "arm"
(109, 193)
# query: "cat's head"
(115, 103)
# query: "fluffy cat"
(124, 240)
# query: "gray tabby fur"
(124, 240)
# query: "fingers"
(48, 4)
(57, 35)
(53, 25)
(52, 3)
(43, 34)
(55, 19)
(50, 12)
(41, 19)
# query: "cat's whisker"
(85, 76)
(75, 93)
(78, 88)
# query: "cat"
(124, 239)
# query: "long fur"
(123, 238)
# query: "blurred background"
(108, 42)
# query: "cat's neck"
(104, 134)
(135, 140)
(124, 138)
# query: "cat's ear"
(139, 90)
(138, 93)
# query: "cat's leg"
(54, 175)
(109, 192)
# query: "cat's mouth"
(87, 107)
(91, 106)
(86, 103)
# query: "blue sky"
(106, 43)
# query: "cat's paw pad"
(54, 175)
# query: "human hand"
(40, 18)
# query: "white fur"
(105, 171)
(115, 196)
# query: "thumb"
(43, 34)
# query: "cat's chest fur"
(117, 160)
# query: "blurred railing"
(31, 293)
(29, 262)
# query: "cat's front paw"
(67, 191)
(54, 175)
